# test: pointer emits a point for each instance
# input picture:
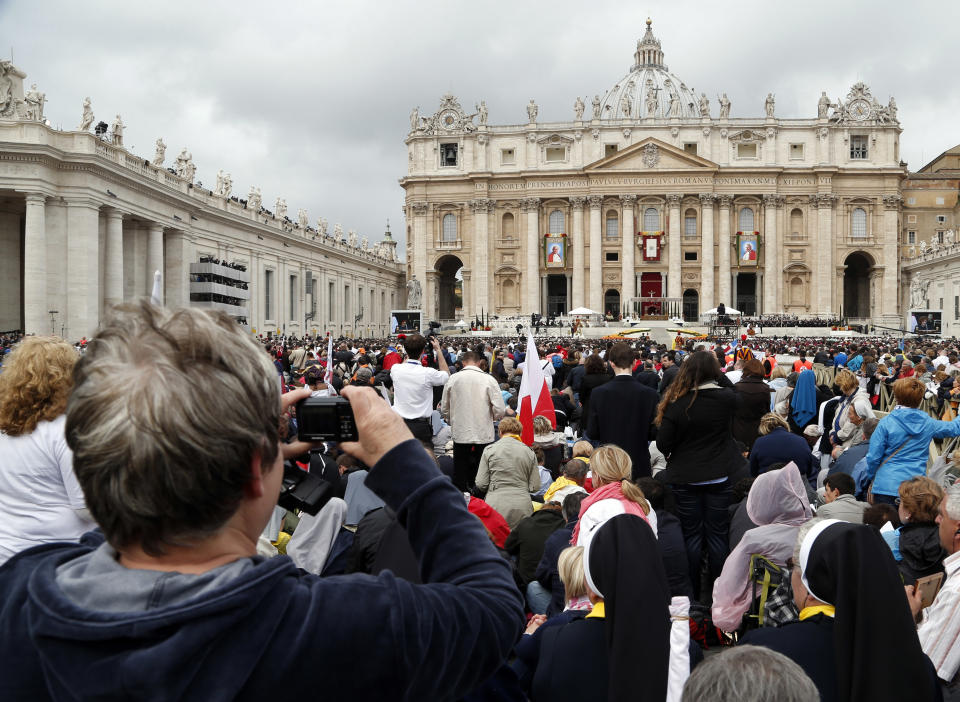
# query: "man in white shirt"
(940, 626)
(471, 402)
(413, 385)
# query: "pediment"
(651, 154)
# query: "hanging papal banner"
(555, 250)
(748, 248)
(650, 242)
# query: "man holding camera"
(176, 604)
(413, 385)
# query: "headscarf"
(779, 497)
(312, 539)
(876, 649)
(803, 402)
(622, 564)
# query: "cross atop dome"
(648, 51)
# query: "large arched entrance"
(449, 287)
(611, 303)
(856, 286)
(691, 305)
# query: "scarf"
(803, 403)
(611, 491)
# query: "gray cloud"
(311, 101)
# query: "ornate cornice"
(892, 202)
(577, 203)
(530, 204)
(419, 208)
(673, 199)
(628, 200)
(773, 200)
(481, 206)
(724, 201)
(596, 201)
(707, 199)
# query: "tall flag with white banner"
(534, 394)
(156, 297)
(328, 376)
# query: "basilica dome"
(649, 89)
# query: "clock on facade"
(859, 109)
(449, 119)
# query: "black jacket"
(668, 375)
(755, 395)
(647, 377)
(621, 413)
(547, 573)
(527, 540)
(920, 550)
(673, 553)
(698, 439)
(590, 382)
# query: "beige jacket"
(471, 403)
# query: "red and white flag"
(534, 393)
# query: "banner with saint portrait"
(555, 251)
(748, 249)
(650, 243)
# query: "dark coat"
(673, 553)
(526, 541)
(621, 413)
(782, 446)
(590, 382)
(668, 376)
(809, 644)
(698, 439)
(648, 378)
(920, 551)
(849, 458)
(755, 395)
(547, 573)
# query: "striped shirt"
(939, 631)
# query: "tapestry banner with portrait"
(555, 250)
(748, 249)
(650, 243)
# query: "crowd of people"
(711, 521)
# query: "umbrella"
(461, 323)
(730, 310)
(581, 310)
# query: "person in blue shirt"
(900, 444)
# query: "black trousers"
(421, 429)
(466, 462)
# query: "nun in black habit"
(855, 637)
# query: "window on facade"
(858, 147)
(267, 294)
(448, 154)
(610, 149)
(746, 150)
(911, 237)
(858, 223)
(796, 151)
(690, 223)
(796, 223)
(613, 225)
(746, 220)
(689, 255)
(651, 220)
(939, 200)
(556, 223)
(449, 229)
(690, 147)
(508, 226)
(508, 157)
(556, 153)
(613, 256)
(912, 201)
(293, 297)
(939, 237)
(941, 219)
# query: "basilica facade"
(86, 224)
(652, 197)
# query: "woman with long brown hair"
(40, 498)
(695, 419)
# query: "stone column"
(706, 252)
(176, 274)
(628, 247)
(674, 282)
(83, 268)
(420, 251)
(771, 246)
(723, 254)
(824, 248)
(531, 273)
(576, 298)
(481, 235)
(113, 262)
(889, 293)
(36, 319)
(596, 254)
(154, 256)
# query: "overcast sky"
(311, 101)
